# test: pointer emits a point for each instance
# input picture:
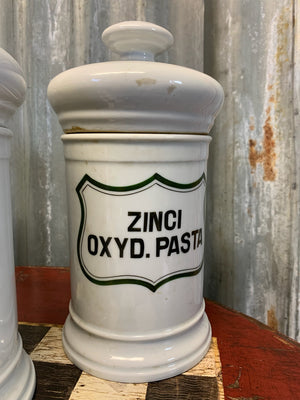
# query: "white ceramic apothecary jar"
(17, 376)
(136, 149)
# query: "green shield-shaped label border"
(155, 179)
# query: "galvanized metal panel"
(253, 204)
(294, 307)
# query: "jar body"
(136, 220)
(17, 376)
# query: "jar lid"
(12, 86)
(135, 94)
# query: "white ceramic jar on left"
(17, 375)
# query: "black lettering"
(145, 222)
(162, 243)
(170, 226)
(185, 239)
(174, 246)
(199, 237)
(121, 245)
(137, 253)
(137, 216)
(179, 219)
(194, 233)
(92, 243)
(157, 219)
(105, 244)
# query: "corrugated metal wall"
(254, 173)
(253, 208)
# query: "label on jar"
(148, 234)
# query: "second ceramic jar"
(136, 149)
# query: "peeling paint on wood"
(236, 383)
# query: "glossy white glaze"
(17, 377)
(135, 95)
(136, 208)
(12, 86)
(152, 327)
(136, 40)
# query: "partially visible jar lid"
(135, 94)
(12, 86)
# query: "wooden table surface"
(257, 362)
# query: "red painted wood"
(43, 294)
(257, 362)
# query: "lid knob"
(137, 40)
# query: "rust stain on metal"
(252, 124)
(267, 156)
(282, 29)
(269, 151)
(254, 156)
(264, 153)
(271, 319)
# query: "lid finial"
(137, 40)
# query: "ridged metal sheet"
(253, 205)
(252, 48)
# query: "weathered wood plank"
(184, 387)
(55, 381)
(43, 294)
(57, 378)
(89, 387)
(50, 348)
(32, 335)
(256, 360)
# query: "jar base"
(136, 361)
(18, 381)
